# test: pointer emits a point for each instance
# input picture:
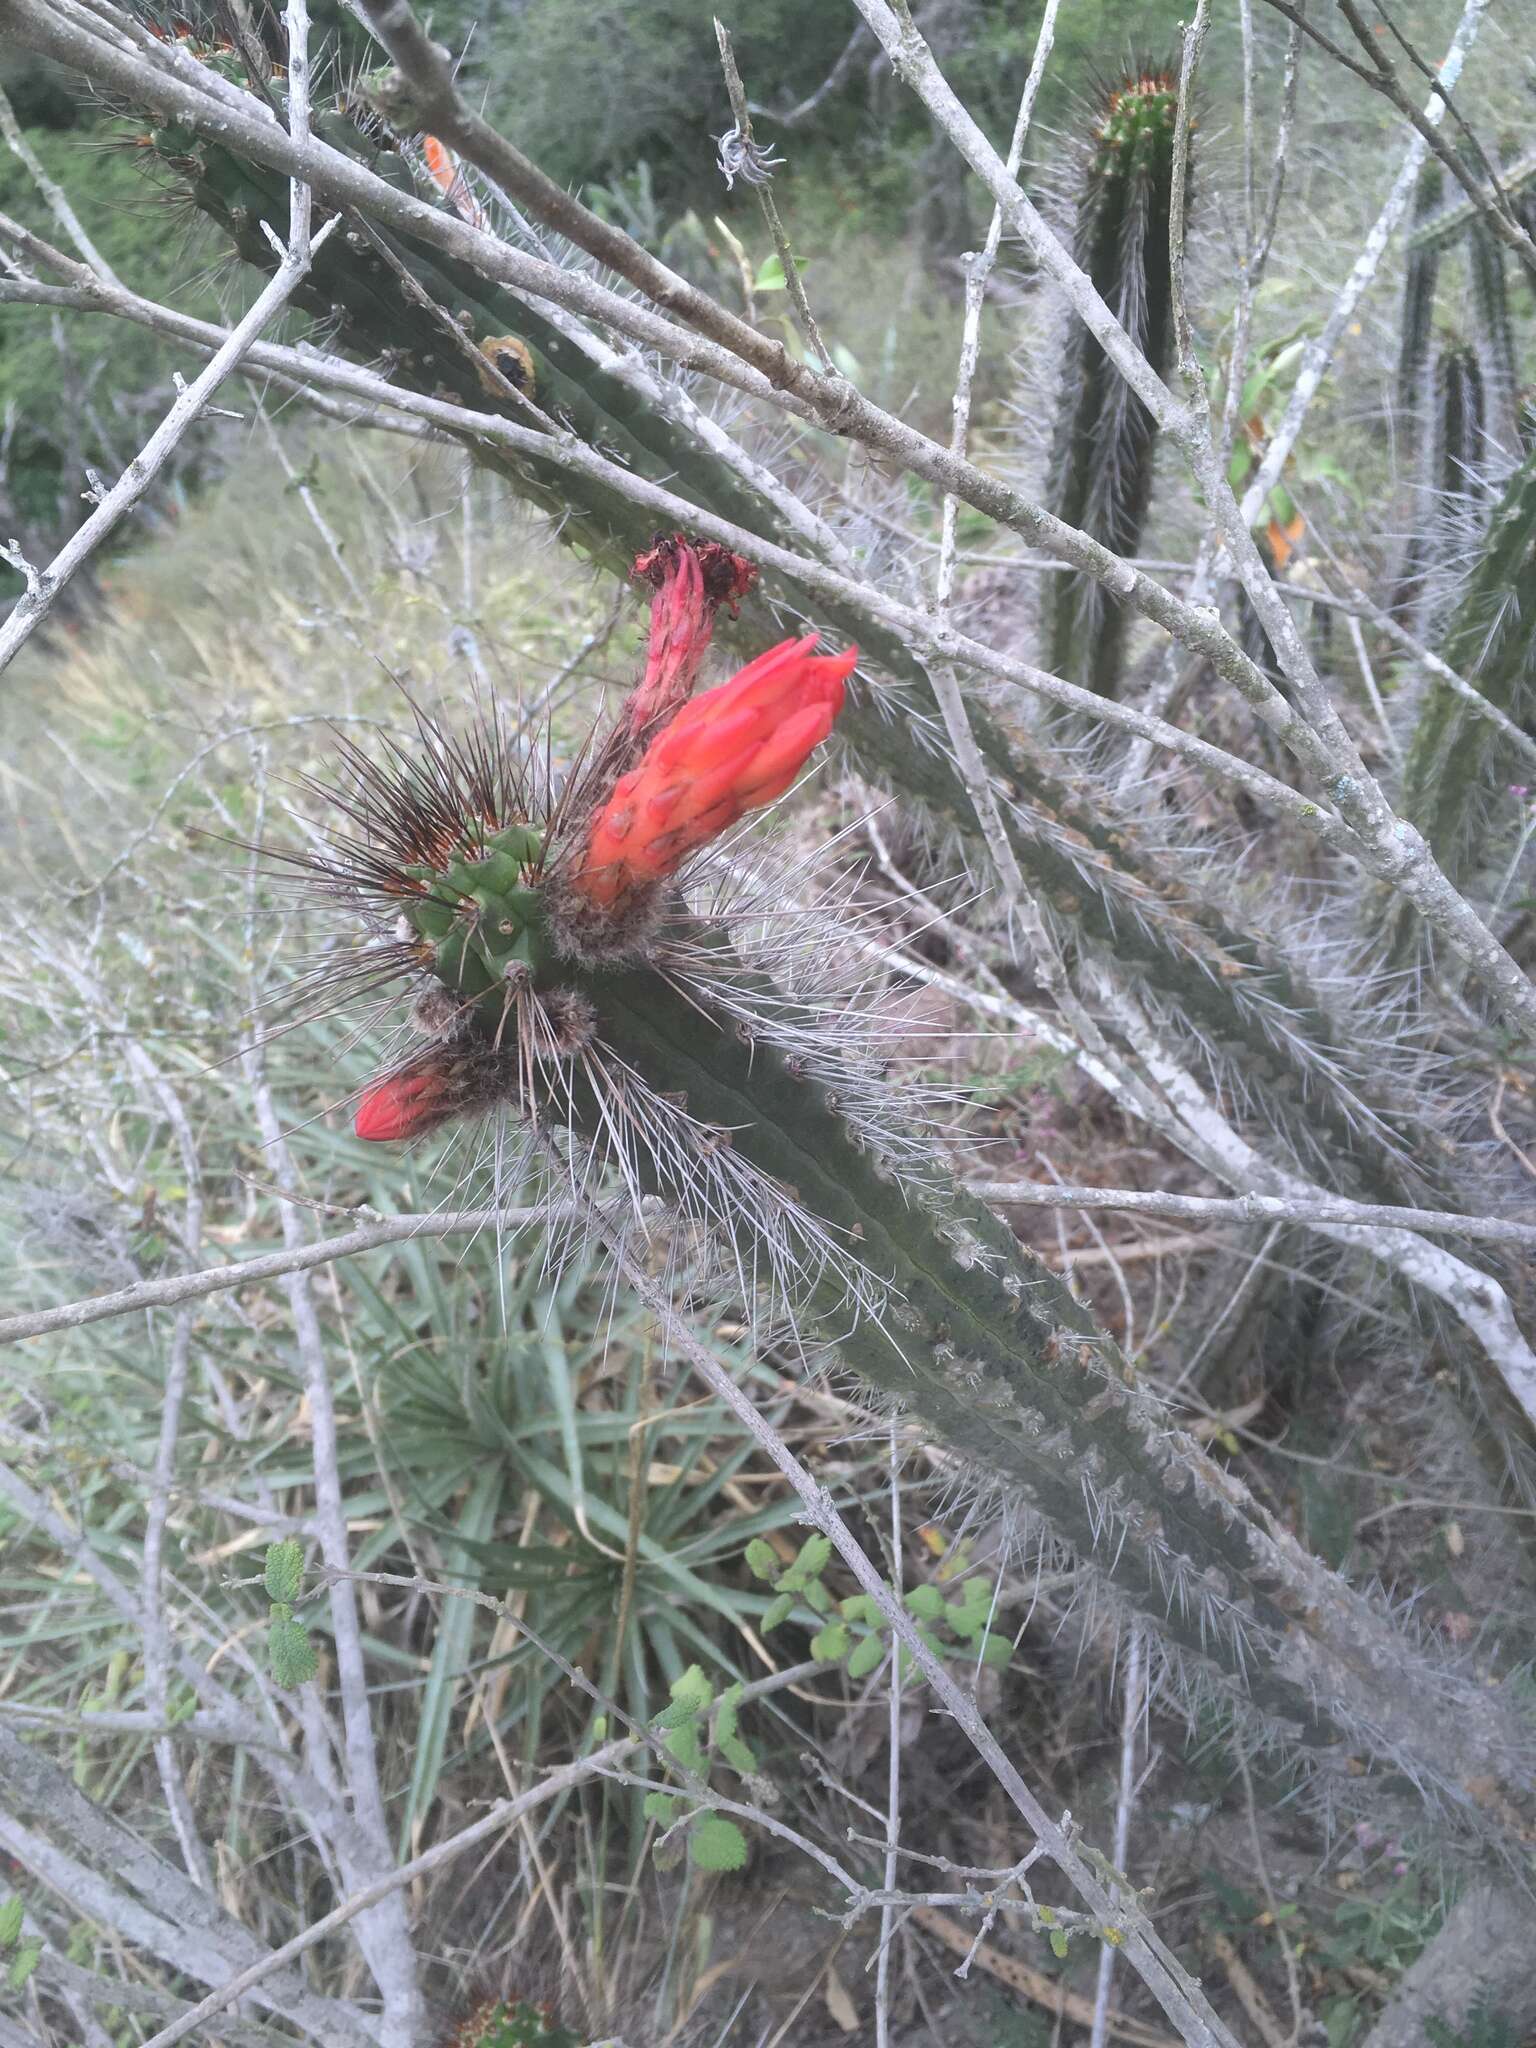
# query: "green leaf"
(717, 1844)
(817, 1598)
(779, 1610)
(661, 1806)
(692, 1690)
(966, 1622)
(12, 1913)
(830, 1645)
(284, 1574)
(770, 275)
(1059, 1943)
(995, 1650)
(926, 1602)
(738, 1755)
(290, 1653)
(859, 1607)
(682, 1745)
(815, 1556)
(762, 1559)
(866, 1656)
(678, 1715)
(977, 1592)
(725, 1712)
(24, 1962)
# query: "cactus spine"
(1105, 441)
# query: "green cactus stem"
(1105, 439)
(1421, 276)
(930, 1300)
(1491, 640)
(1493, 329)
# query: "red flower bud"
(402, 1106)
(725, 753)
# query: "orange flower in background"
(730, 751)
(444, 171)
(402, 1106)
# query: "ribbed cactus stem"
(1491, 640)
(1493, 329)
(1421, 275)
(948, 1314)
(1101, 477)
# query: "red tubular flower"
(728, 752)
(402, 1106)
(692, 580)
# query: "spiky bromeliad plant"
(580, 966)
(1105, 438)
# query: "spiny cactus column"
(1101, 475)
(1491, 640)
(1494, 331)
(1421, 276)
(575, 989)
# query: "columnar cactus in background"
(1105, 439)
(1490, 638)
(1421, 276)
(1482, 624)
(584, 962)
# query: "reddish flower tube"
(402, 1106)
(725, 753)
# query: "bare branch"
(805, 319)
(299, 1258)
(1252, 1208)
(33, 606)
(1489, 200)
(56, 200)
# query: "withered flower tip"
(725, 753)
(691, 579)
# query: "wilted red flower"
(692, 579)
(728, 752)
(402, 1105)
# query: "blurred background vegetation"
(619, 101)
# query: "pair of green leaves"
(291, 1657)
(855, 1633)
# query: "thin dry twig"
(44, 585)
